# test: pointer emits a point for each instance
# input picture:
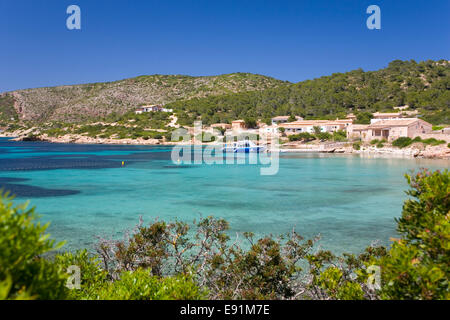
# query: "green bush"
(433, 141)
(323, 136)
(340, 136)
(357, 145)
(93, 277)
(303, 136)
(141, 285)
(418, 265)
(402, 142)
(375, 141)
(23, 270)
(380, 143)
(363, 118)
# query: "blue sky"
(288, 40)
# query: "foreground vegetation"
(175, 261)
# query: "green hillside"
(424, 86)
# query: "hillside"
(424, 86)
(97, 100)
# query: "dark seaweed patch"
(23, 190)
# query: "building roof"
(360, 127)
(317, 123)
(391, 114)
(238, 121)
(394, 123)
(285, 118)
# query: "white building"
(152, 108)
(324, 125)
(284, 119)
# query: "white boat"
(246, 146)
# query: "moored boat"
(246, 146)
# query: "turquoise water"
(85, 192)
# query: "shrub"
(141, 285)
(93, 277)
(363, 117)
(402, 142)
(375, 141)
(317, 129)
(340, 135)
(417, 266)
(23, 270)
(268, 269)
(357, 145)
(429, 141)
(433, 141)
(323, 136)
(303, 136)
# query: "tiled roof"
(380, 114)
(317, 123)
(393, 123)
(357, 127)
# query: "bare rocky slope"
(89, 101)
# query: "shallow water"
(85, 192)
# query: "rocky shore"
(428, 152)
(416, 150)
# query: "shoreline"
(414, 151)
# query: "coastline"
(416, 150)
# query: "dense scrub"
(403, 142)
(179, 261)
(424, 86)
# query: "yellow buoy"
(123, 163)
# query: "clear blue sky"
(288, 40)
